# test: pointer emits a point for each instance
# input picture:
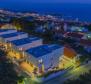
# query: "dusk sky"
(48, 1)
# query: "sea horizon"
(66, 10)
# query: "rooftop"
(85, 42)
(42, 50)
(76, 35)
(11, 34)
(69, 52)
(24, 41)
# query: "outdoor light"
(40, 61)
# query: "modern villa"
(32, 54)
(47, 55)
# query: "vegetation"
(23, 24)
(82, 59)
(89, 27)
(7, 73)
(30, 27)
(83, 79)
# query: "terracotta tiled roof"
(85, 42)
(76, 35)
(69, 52)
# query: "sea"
(69, 11)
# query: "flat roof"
(43, 49)
(4, 30)
(11, 34)
(24, 41)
